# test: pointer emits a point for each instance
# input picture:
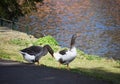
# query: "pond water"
(97, 22)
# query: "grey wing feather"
(43, 52)
(63, 52)
(33, 50)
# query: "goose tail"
(23, 53)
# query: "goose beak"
(78, 34)
(52, 56)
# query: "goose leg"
(38, 62)
(59, 65)
(68, 68)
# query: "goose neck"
(50, 50)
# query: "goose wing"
(33, 50)
(63, 52)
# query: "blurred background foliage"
(12, 9)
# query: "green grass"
(102, 69)
(46, 40)
(89, 65)
(20, 42)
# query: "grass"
(102, 69)
(107, 69)
(46, 40)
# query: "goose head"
(50, 50)
(74, 36)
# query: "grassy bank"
(12, 41)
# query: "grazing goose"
(34, 53)
(66, 56)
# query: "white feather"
(28, 57)
(70, 54)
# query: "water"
(97, 22)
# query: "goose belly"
(67, 58)
(29, 58)
(57, 56)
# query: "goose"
(67, 55)
(32, 54)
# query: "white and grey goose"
(68, 55)
(32, 54)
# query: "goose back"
(32, 50)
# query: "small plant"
(118, 61)
(46, 40)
